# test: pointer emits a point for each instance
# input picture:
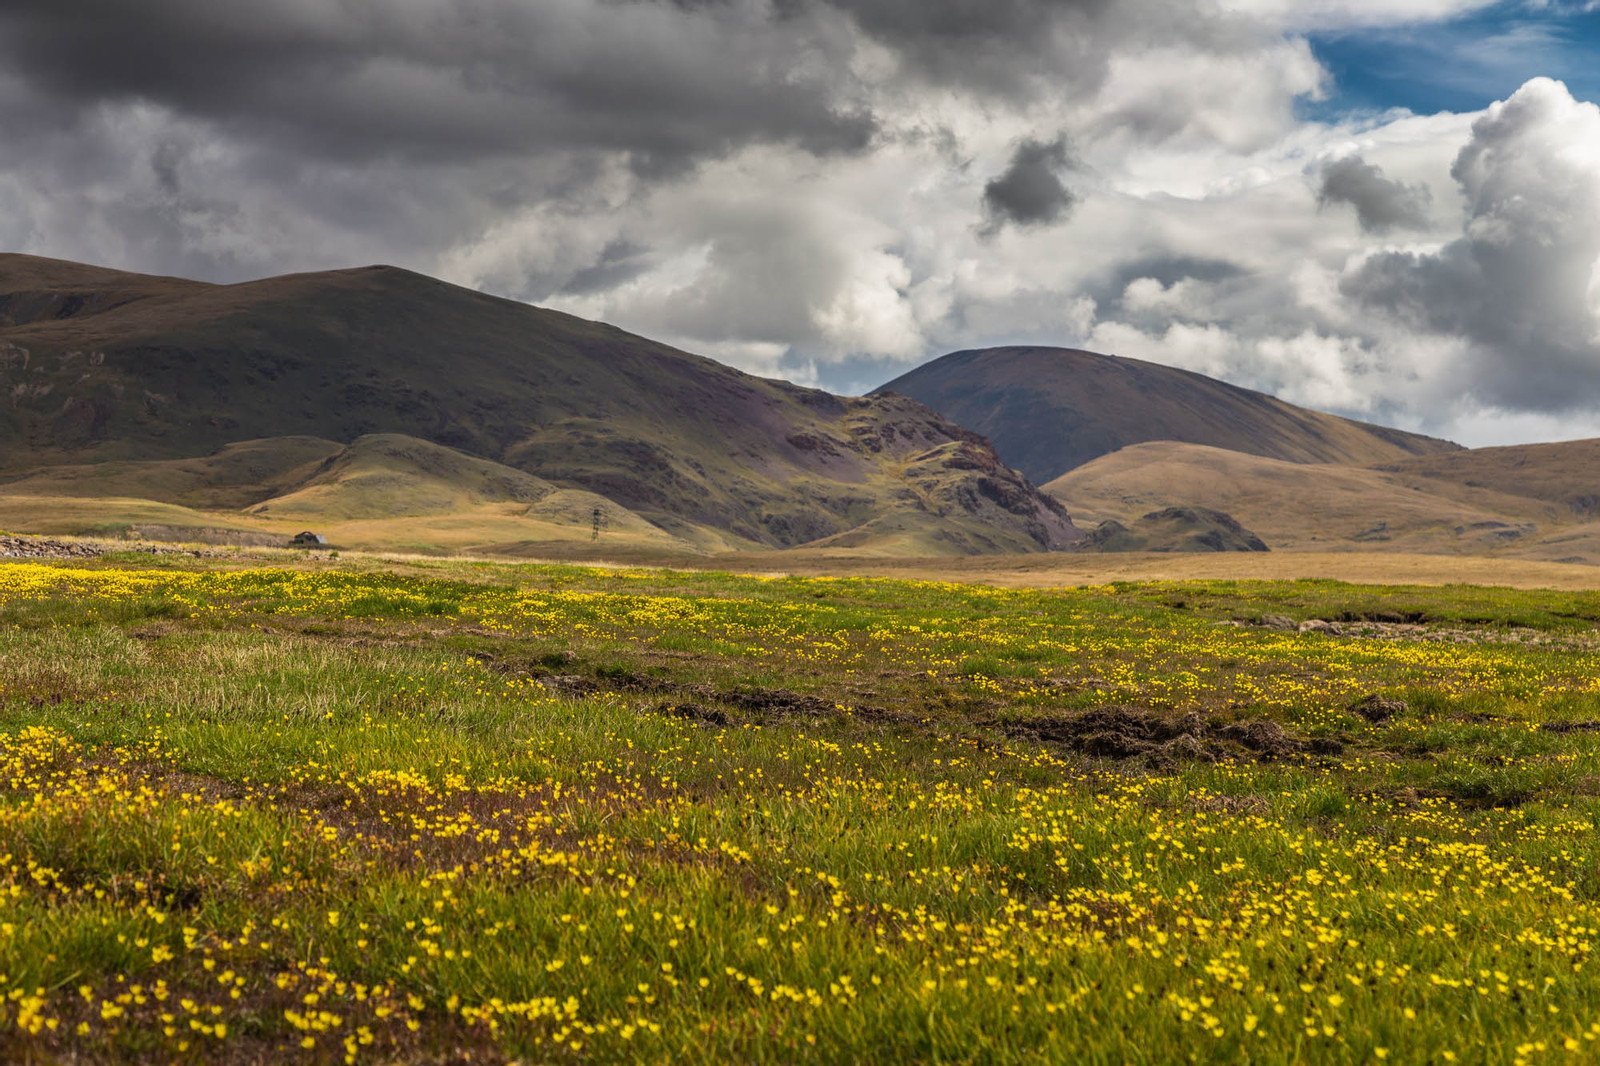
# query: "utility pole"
(598, 518)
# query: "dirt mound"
(694, 712)
(1377, 708)
(570, 686)
(778, 702)
(700, 702)
(1160, 739)
(1587, 725)
(1400, 626)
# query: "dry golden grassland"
(488, 812)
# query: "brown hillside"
(1322, 507)
(1566, 473)
(1049, 410)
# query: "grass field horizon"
(1028, 570)
(448, 810)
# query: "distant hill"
(384, 491)
(100, 366)
(1564, 473)
(1529, 501)
(1049, 410)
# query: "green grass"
(264, 814)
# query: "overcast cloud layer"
(834, 190)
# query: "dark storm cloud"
(1030, 192)
(351, 79)
(162, 134)
(1382, 204)
(993, 46)
(619, 262)
(667, 81)
(399, 128)
(990, 45)
(1168, 270)
(940, 24)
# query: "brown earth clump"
(1161, 739)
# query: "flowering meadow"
(485, 813)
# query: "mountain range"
(1133, 444)
(251, 396)
(391, 410)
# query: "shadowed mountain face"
(100, 365)
(1049, 410)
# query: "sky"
(1389, 209)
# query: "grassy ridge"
(552, 812)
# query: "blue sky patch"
(1461, 65)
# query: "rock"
(15, 547)
(1175, 529)
(36, 548)
(1279, 622)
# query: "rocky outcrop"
(1175, 529)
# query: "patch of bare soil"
(778, 703)
(1586, 726)
(1233, 806)
(1410, 627)
(695, 712)
(1378, 708)
(1162, 739)
(704, 703)
(570, 686)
